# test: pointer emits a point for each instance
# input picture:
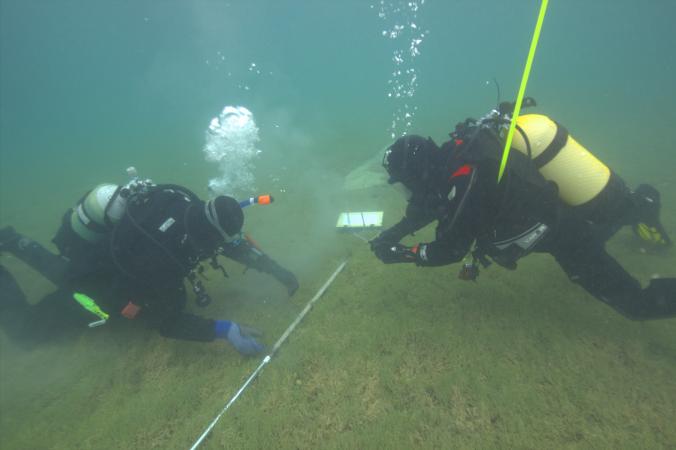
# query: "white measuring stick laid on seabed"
(267, 358)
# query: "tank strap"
(106, 219)
(554, 147)
(86, 220)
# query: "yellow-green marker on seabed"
(90, 305)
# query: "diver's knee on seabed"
(657, 301)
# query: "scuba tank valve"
(136, 188)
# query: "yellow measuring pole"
(522, 87)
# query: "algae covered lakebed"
(392, 356)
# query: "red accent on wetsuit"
(463, 170)
(130, 311)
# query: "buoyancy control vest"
(151, 242)
(516, 213)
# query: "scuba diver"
(555, 197)
(124, 252)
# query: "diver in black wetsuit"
(555, 197)
(126, 251)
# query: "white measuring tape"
(267, 358)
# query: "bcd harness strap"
(86, 220)
(526, 240)
(554, 147)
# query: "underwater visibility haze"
(299, 100)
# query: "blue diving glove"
(241, 337)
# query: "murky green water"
(392, 356)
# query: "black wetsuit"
(143, 260)
(523, 214)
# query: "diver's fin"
(648, 227)
(654, 235)
(8, 236)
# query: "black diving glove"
(287, 278)
(395, 253)
(381, 243)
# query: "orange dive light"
(265, 199)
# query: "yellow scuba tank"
(579, 175)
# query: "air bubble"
(231, 142)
